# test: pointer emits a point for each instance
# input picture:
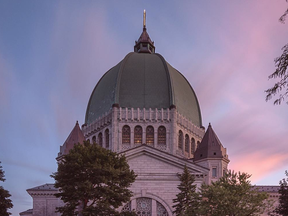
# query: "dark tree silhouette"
(5, 202)
(282, 208)
(281, 73)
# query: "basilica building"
(146, 109)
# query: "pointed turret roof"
(144, 43)
(76, 136)
(210, 147)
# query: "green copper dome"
(143, 80)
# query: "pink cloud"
(259, 164)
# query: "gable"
(148, 161)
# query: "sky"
(52, 54)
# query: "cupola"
(144, 43)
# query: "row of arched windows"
(100, 139)
(138, 135)
(186, 143)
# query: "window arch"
(94, 139)
(144, 207)
(126, 133)
(180, 140)
(198, 143)
(138, 135)
(161, 135)
(193, 147)
(107, 138)
(186, 143)
(150, 135)
(100, 139)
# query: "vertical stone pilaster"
(132, 136)
(173, 132)
(114, 128)
(155, 137)
(144, 134)
(133, 204)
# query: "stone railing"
(188, 125)
(142, 115)
(150, 115)
(98, 124)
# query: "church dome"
(143, 80)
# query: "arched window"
(161, 135)
(198, 143)
(144, 207)
(100, 139)
(180, 140)
(138, 135)
(107, 138)
(150, 135)
(186, 143)
(94, 139)
(193, 147)
(126, 134)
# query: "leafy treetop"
(93, 179)
(232, 195)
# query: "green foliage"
(188, 200)
(281, 73)
(93, 181)
(232, 195)
(5, 202)
(282, 208)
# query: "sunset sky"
(52, 54)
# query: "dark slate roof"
(76, 136)
(210, 146)
(143, 80)
(27, 212)
(144, 37)
(45, 187)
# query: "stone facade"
(117, 118)
(44, 201)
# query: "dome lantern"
(144, 43)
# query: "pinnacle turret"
(144, 43)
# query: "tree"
(5, 202)
(281, 72)
(93, 181)
(232, 195)
(188, 200)
(282, 208)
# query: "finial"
(77, 122)
(144, 19)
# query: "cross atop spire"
(144, 43)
